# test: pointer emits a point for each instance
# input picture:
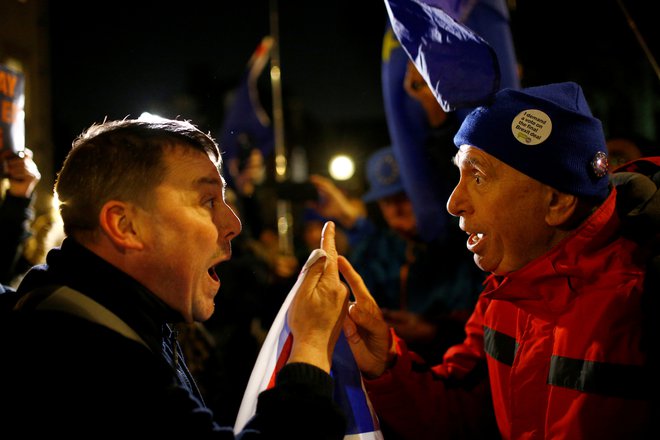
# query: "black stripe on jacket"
(614, 380)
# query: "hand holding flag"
(314, 311)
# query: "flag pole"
(284, 217)
(640, 39)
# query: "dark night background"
(182, 58)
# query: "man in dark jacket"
(90, 349)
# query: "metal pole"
(640, 39)
(284, 216)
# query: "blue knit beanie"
(545, 132)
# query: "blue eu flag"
(464, 51)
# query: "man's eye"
(211, 203)
(477, 178)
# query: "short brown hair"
(120, 160)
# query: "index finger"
(328, 242)
(356, 283)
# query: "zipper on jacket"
(174, 334)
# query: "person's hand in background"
(21, 171)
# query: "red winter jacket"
(561, 340)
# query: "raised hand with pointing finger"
(365, 328)
(317, 311)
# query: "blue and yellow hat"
(383, 175)
(546, 132)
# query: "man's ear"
(561, 208)
(118, 221)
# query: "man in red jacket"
(555, 347)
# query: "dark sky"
(591, 42)
(181, 58)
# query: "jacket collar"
(77, 267)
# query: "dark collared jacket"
(63, 374)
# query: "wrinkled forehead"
(473, 157)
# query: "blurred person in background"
(426, 289)
(19, 178)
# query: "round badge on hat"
(531, 127)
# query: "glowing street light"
(342, 167)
